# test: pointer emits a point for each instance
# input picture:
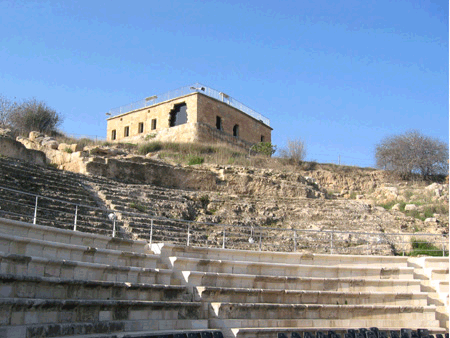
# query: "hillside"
(255, 192)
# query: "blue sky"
(340, 75)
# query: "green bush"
(149, 147)
(264, 148)
(422, 247)
(138, 207)
(68, 150)
(195, 160)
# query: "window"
(153, 124)
(126, 131)
(141, 127)
(113, 134)
(262, 138)
(236, 130)
(218, 122)
(178, 115)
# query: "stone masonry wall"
(160, 112)
(200, 127)
(250, 129)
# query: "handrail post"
(75, 220)
(151, 231)
(114, 227)
(224, 239)
(35, 210)
(188, 235)
(331, 242)
(295, 240)
(260, 238)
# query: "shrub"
(34, 115)
(149, 147)
(295, 150)
(192, 160)
(138, 207)
(422, 247)
(264, 148)
(68, 150)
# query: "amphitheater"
(75, 265)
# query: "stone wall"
(250, 129)
(14, 149)
(160, 112)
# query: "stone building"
(189, 114)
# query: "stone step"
(183, 333)
(248, 328)
(320, 311)
(244, 295)
(28, 230)
(66, 269)
(271, 332)
(280, 269)
(277, 257)
(22, 311)
(19, 286)
(196, 278)
(53, 250)
(435, 286)
(100, 329)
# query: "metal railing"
(45, 210)
(195, 88)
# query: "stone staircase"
(257, 294)
(62, 283)
(53, 186)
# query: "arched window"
(178, 115)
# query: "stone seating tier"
(230, 280)
(168, 249)
(273, 332)
(292, 270)
(41, 267)
(16, 286)
(50, 234)
(102, 329)
(245, 295)
(39, 248)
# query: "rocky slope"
(325, 198)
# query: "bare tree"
(34, 115)
(412, 152)
(6, 108)
(295, 150)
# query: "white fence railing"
(44, 210)
(197, 87)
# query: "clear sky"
(340, 75)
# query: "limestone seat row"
(168, 249)
(245, 295)
(10, 244)
(292, 270)
(20, 286)
(232, 280)
(51, 234)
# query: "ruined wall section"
(14, 149)
(250, 129)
